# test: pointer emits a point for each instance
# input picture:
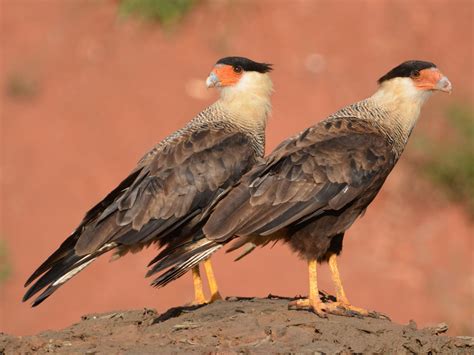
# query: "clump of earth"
(238, 325)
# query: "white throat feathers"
(403, 99)
(248, 101)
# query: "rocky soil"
(84, 93)
(237, 325)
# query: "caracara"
(313, 186)
(170, 194)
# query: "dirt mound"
(237, 325)
(84, 94)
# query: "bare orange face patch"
(427, 78)
(227, 74)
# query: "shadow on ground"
(237, 325)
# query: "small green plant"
(5, 267)
(451, 164)
(167, 12)
(21, 86)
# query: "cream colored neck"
(400, 97)
(248, 102)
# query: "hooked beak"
(444, 84)
(213, 80)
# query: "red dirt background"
(108, 89)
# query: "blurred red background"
(85, 93)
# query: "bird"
(171, 191)
(310, 190)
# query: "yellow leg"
(336, 278)
(215, 295)
(313, 301)
(198, 290)
(313, 280)
(342, 301)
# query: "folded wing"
(171, 191)
(323, 170)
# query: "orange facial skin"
(427, 79)
(227, 74)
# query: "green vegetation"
(21, 86)
(5, 267)
(166, 12)
(451, 164)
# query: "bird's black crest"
(406, 69)
(246, 64)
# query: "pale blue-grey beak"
(444, 85)
(212, 80)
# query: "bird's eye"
(238, 69)
(415, 74)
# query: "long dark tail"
(179, 259)
(64, 263)
(60, 267)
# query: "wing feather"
(178, 180)
(169, 189)
(323, 169)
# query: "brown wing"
(323, 169)
(177, 184)
(169, 188)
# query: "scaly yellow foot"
(198, 290)
(215, 295)
(344, 309)
(342, 301)
(199, 297)
(317, 306)
(313, 302)
(323, 309)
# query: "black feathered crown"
(406, 69)
(246, 64)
